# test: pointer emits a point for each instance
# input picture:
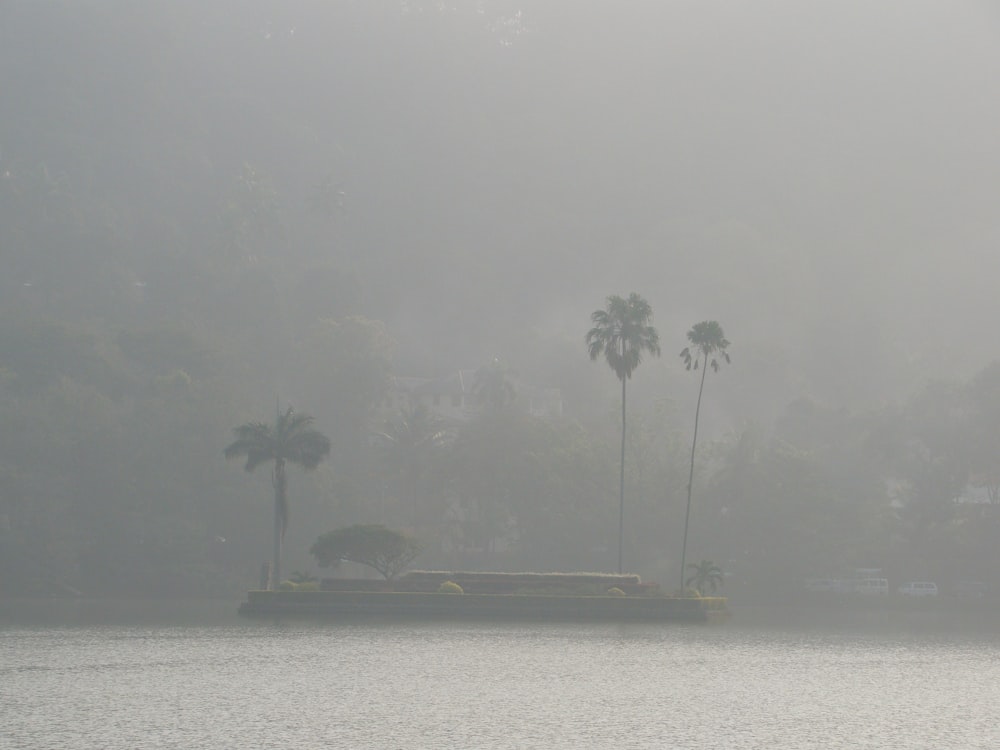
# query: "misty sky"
(819, 177)
(834, 162)
(822, 176)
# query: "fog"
(205, 207)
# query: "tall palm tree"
(707, 341)
(290, 440)
(622, 332)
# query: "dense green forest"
(212, 211)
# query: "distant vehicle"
(919, 588)
(872, 586)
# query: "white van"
(919, 588)
(875, 586)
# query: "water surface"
(238, 684)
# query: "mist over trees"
(204, 207)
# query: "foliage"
(705, 576)
(622, 332)
(347, 364)
(290, 440)
(707, 340)
(374, 545)
(410, 444)
(491, 385)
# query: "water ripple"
(481, 686)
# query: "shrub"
(307, 586)
(450, 587)
(287, 586)
(615, 591)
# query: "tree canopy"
(622, 332)
(291, 439)
(708, 340)
(374, 545)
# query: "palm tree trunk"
(694, 442)
(621, 486)
(280, 486)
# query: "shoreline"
(333, 605)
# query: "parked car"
(919, 588)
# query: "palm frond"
(291, 439)
(706, 339)
(307, 449)
(253, 441)
(622, 333)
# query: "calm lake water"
(209, 680)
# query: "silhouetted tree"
(492, 385)
(290, 439)
(707, 341)
(374, 545)
(705, 575)
(622, 332)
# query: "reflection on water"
(79, 612)
(236, 684)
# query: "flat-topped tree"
(374, 545)
(290, 440)
(708, 345)
(622, 332)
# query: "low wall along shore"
(488, 596)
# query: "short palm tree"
(290, 440)
(622, 332)
(706, 576)
(707, 340)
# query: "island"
(454, 595)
